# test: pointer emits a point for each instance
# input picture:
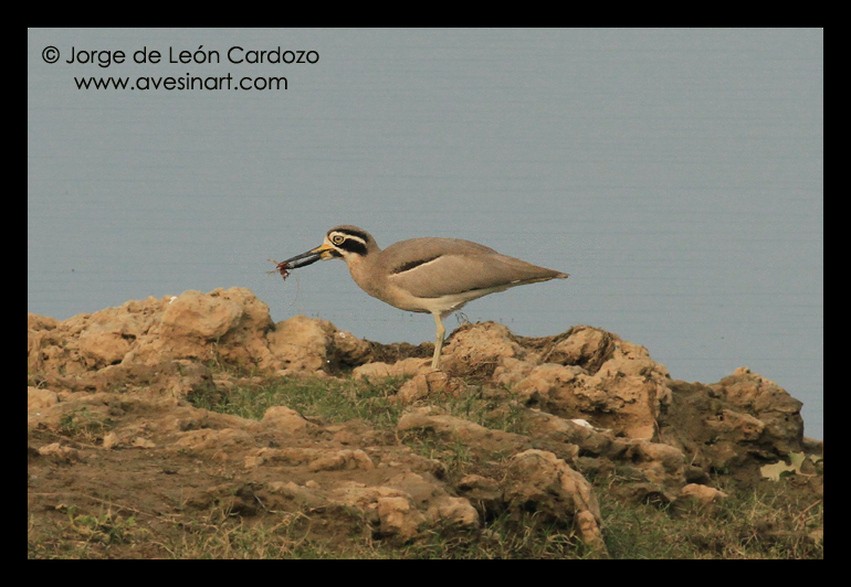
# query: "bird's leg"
(438, 341)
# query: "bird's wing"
(450, 266)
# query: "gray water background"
(676, 174)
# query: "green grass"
(329, 400)
(767, 522)
(487, 407)
(87, 535)
(754, 524)
(503, 537)
(85, 424)
(335, 401)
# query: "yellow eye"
(338, 239)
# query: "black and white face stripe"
(349, 241)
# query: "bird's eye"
(338, 239)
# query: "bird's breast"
(375, 282)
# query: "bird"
(429, 274)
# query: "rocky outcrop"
(586, 405)
(734, 426)
(223, 327)
(596, 376)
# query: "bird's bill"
(323, 252)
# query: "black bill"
(302, 260)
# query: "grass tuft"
(330, 401)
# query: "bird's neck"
(360, 269)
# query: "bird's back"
(435, 267)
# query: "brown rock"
(479, 485)
(590, 441)
(538, 481)
(193, 314)
(625, 393)
(350, 350)
(54, 347)
(301, 344)
(178, 378)
(301, 496)
(544, 381)
(316, 459)
(701, 494)
(284, 419)
(428, 384)
(39, 399)
(511, 371)
(736, 426)
(422, 489)
(670, 458)
(361, 495)
(474, 436)
(111, 440)
(477, 349)
(226, 325)
(59, 452)
(36, 322)
(404, 368)
(102, 348)
(768, 402)
(344, 459)
(452, 512)
(206, 439)
(662, 466)
(588, 527)
(584, 347)
(398, 518)
(391, 511)
(483, 491)
(131, 436)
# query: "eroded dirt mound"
(111, 425)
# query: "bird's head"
(345, 241)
